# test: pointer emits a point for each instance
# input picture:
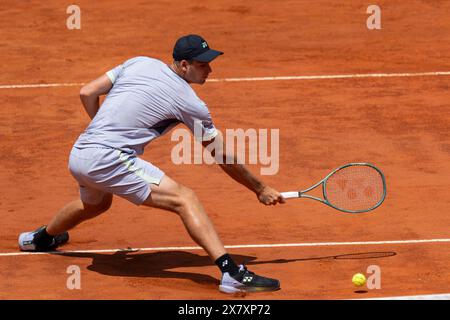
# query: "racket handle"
(291, 194)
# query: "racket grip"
(290, 194)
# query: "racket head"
(355, 188)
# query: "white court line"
(337, 76)
(318, 77)
(443, 296)
(41, 85)
(240, 246)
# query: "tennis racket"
(351, 188)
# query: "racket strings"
(355, 188)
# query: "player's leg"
(94, 200)
(49, 237)
(172, 196)
(76, 212)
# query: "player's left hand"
(270, 196)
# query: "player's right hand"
(270, 196)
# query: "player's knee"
(96, 209)
(186, 197)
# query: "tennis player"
(145, 99)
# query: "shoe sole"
(229, 289)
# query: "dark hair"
(190, 61)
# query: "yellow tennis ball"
(359, 280)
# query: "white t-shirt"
(147, 100)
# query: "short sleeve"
(114, 73)
(198, 119)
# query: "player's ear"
(184, 65)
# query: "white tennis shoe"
(29, 241)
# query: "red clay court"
(332, 108)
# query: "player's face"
(197, 72)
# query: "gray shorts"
(104, 170)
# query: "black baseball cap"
(194, 47)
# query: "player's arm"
(90, 93)
(241, 174)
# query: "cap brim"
(208, 56)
